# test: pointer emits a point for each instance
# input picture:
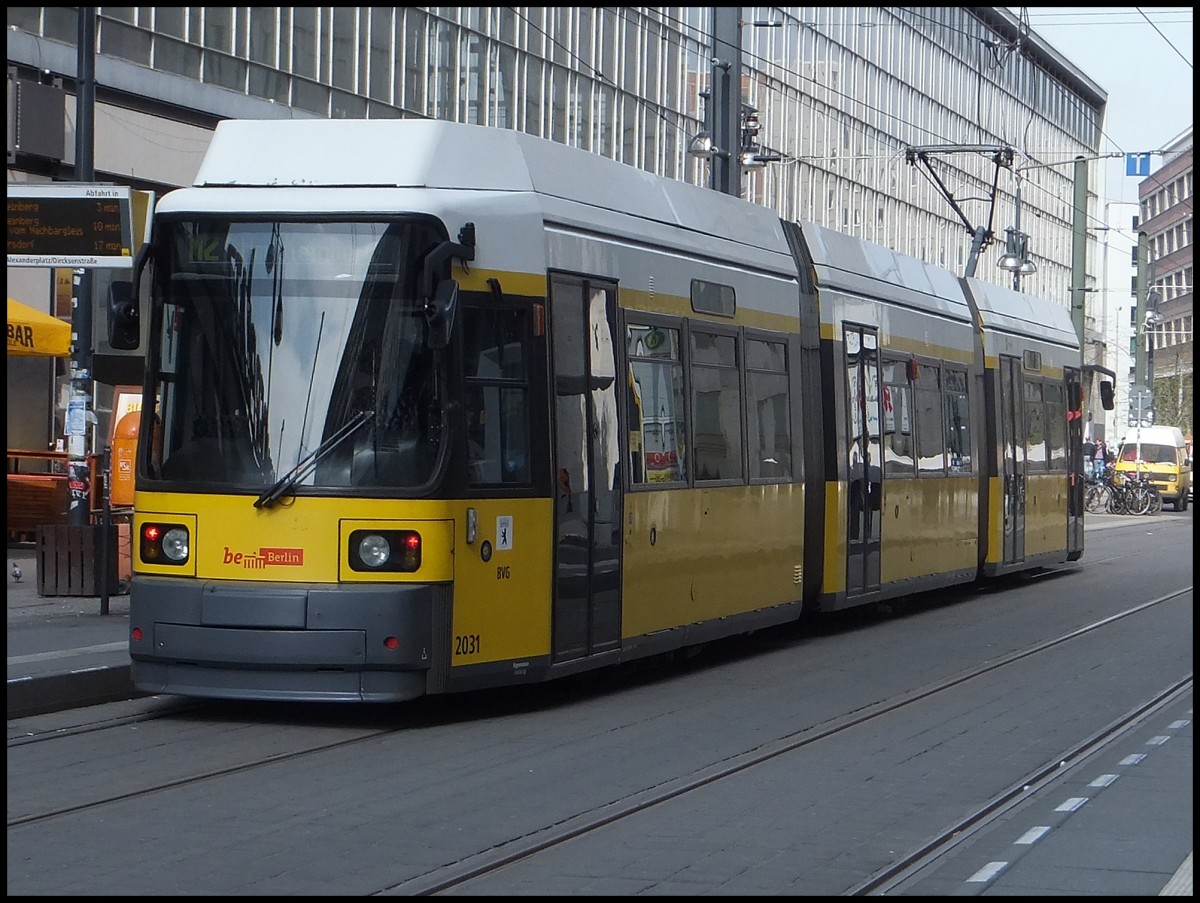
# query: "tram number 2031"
(467, 644)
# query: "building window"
(304, 42)
(177, 57)
(218, 28)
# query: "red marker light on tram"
(136, 634)
(391, 643)
(412, 552)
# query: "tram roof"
(855, 265)
(1004, 310)
(435, 154)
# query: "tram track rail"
(455, 875)
(475, 866)
(49, 734)
(916, 861)
(199, 777)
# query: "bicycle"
(1156, 501)
(1097, 494)
(1135, 494)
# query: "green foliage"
(1173, 399)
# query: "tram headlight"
(374, 550)
(175, 544)
(392, 551)
(164, 543)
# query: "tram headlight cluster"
(169, 544)
(396, 551)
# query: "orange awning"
(33, 333)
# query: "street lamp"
(1013, 251)
(1016, 257)
(752, 155)
(702, 146)
(749, 154)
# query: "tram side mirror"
(1106, 395)
(440, 311)
(124, 326)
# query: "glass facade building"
(841, 95)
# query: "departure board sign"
(73, 224)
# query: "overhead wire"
(1165, 38)
(1000, 51)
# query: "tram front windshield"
(294, 352)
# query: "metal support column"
(1079, 248)
(727, 99)
(79, 404)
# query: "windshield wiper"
(288, 481)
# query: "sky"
(1142, 56)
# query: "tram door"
(863, 459)
(1074, 462)
(587, 529)
(1012, 458)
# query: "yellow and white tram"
(432, 407)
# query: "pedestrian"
(1089, 452)
(1099, 460)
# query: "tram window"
(768, 410)
(496, 395)
(1035, 427)
(713, 298)
(1056, 425)
(656, 427)
(408, 410)
(958, 420)
(898, 446)
(495, 344)
(931, 444)
(716, 406)
(1012, 425)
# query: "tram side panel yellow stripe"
(1045, 513)
(694, 555)
(502, 604)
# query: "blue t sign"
(1137, 164)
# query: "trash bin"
(69, 559)
(124, 455)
